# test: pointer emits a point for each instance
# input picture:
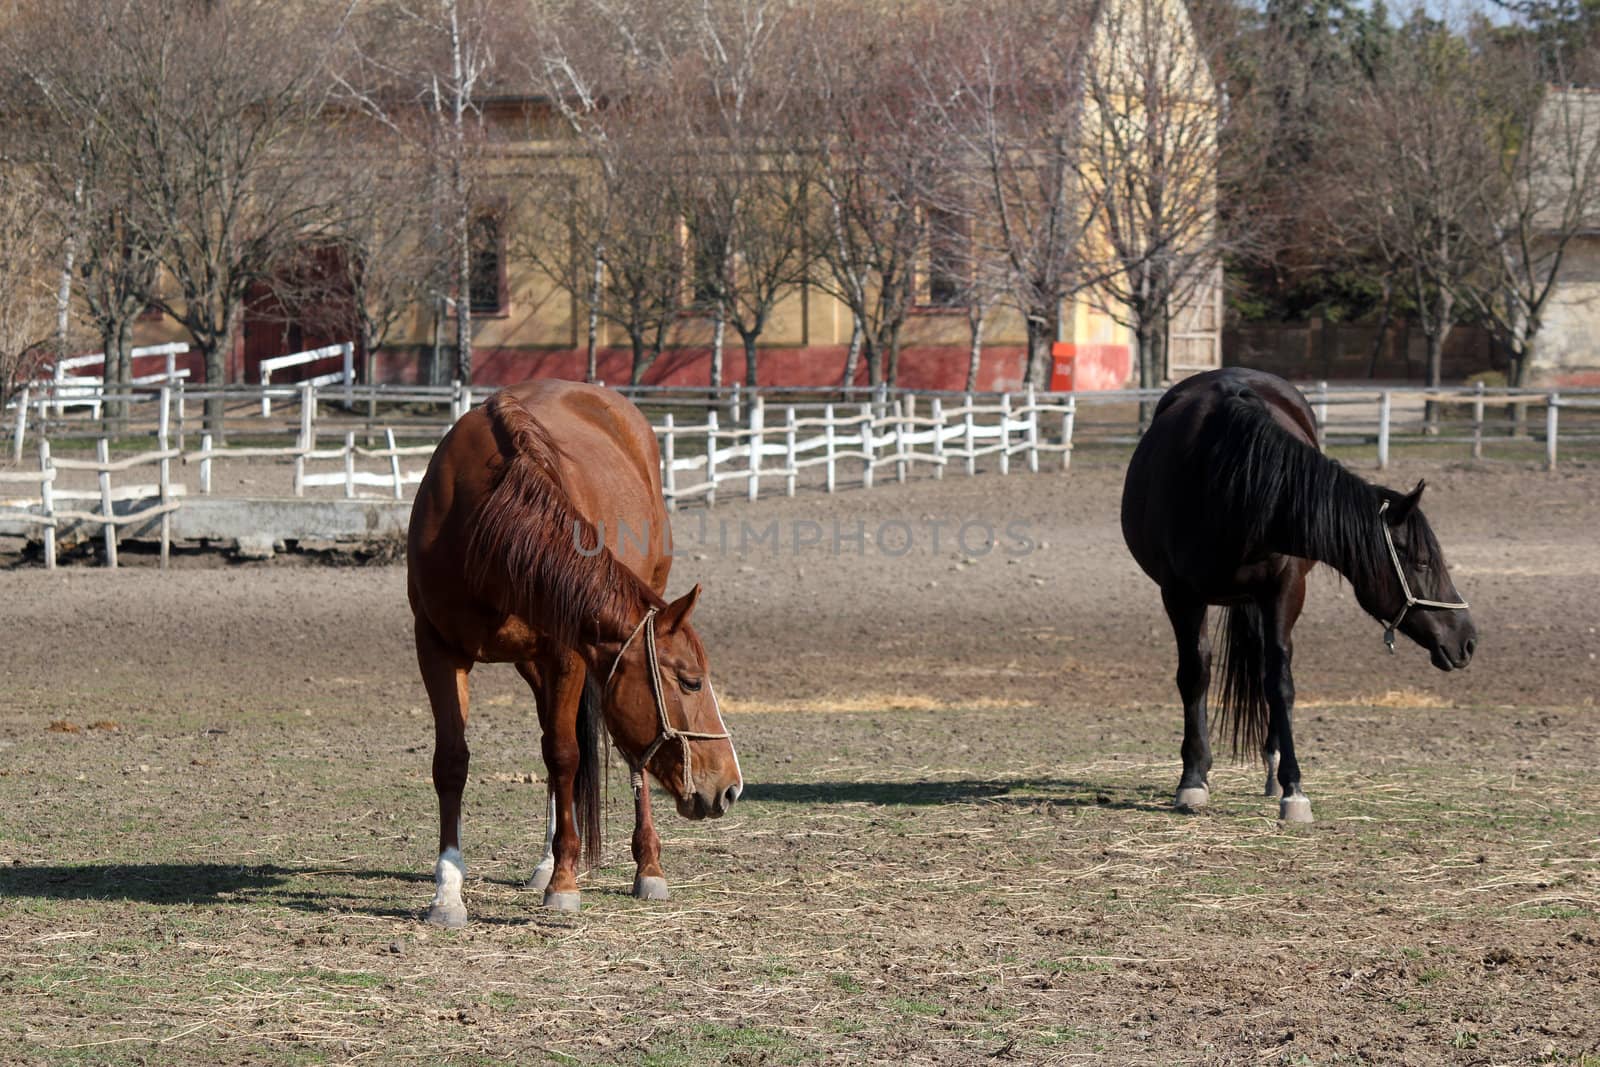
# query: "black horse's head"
(1413, 592)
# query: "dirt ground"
(955, 845)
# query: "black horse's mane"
(1279, 493)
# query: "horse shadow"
(184, 883)
(1011, 792)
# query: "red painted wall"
(1087, 367)
(923, 367)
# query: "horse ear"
(1401, 509)
(675, 614)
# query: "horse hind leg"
(1293, 805)
(1188, 619)
(444, 675)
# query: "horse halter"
(1405, 586)
(667, 731)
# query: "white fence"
(53, 507)
(712, 442)
(299, 359)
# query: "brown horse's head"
(690, 753)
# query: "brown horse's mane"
(524, 551)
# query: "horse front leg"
(1280, 617)
(560, 689)
(1188, 617)
(649, 883)
(444, 675)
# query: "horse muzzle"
(709, 802)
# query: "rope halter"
(666, 732)
(1405, 586)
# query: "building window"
(945, 274)
(487, 249)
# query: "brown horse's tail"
(588, 784)
(1240, 696)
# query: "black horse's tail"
(588, 785)
(1241, 696)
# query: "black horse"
(1228, 501)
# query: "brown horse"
(539, 538)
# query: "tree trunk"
(1151, 336)
(463, 367)
(719, 331)
(874, 358)
(751, 378)
(640, 364)
(1041, 338)
(975, 318)
(114, 339)
(1438, 332)
(852, 358)
(592, 372)
(892, 371)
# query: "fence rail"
(714, 441)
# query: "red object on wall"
(1085, 368)
(1062, 356)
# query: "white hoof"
(1272, 788)
(541, 877)
(450, 916)
(651, 888)
(569, 901)
(1295, 809)
(1192, 799)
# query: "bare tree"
(218, 154)
(1012, 103)
(1149, 158)
(1413, 164)
(28, 245)
(77, 88)
(1545, 193)
(422, 69)
(881, 168)
(747, 182)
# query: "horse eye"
(690, 685)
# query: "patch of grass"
(845, 982)
(915, 1006)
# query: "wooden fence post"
(936, 412)
(1068, 420)
(205, 464)
(830, 446)
(394, 463)
(735, 405)
(1477, 422)
(1384, 401)
(348, 350)
(972, 439)
(22, 426)
(102, 453)
(711, 455)
(1033, 432)
(900, 416)
(758, 418)
(47, 501)
(1320, 411)
(308, 436)
(1005, 433)
(163, 429)
(182, 419)
(868, 447)
(1552, 414)
(669, 456)
(349, 464)
(792, 456)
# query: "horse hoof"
(568, 901)
(650, 888)
(449, 916)
(1192, 799)
(541, 878)
(1295, 809)
(1272, 788)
